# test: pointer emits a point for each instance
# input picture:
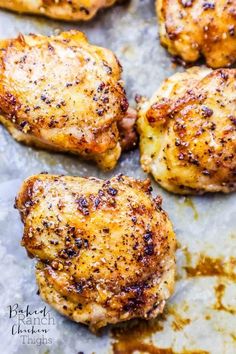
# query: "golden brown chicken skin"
(188, 132)
(105, 249)
(70, 10)
(191, 28)
(63, 94)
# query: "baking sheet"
(201, 316)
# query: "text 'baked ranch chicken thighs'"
(191, 28)
(70, 10)
(188, 132)
(63, 94)
(105, 248)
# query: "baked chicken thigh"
(188, 132)
(191, 28)
(70, 10)
(105, 249)
(63, 94)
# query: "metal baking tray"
(201, 315)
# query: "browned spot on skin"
(219, 293)
(207, 266)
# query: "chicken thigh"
(188, 132)
(105, 249)
(191, 28)
(70, 10)
(63, 94)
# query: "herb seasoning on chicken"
(188, 132)
(105, 249)
(191, 28)
(70, 10)
(63, 94)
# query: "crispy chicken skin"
(105, 249)
(70, 10)
(191, 28)
(63, 94)
(188, 132)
